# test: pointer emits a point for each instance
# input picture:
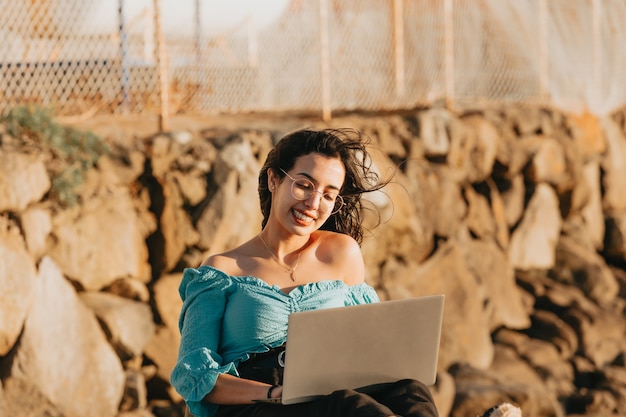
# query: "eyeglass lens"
(303, 189)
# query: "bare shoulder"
(220, 261)
(344, 254)
(229, 262)
(338, 242)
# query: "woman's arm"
(230, 389)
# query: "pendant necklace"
(291, 270)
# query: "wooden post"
(448, 11)
(598, 65)
(162, 72)
(253, 43)
(325, 61)
(398, 43)
(198, 67)
(124, 55)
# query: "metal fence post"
(123, 55)
(598, 64)
(448, 12)
(325, 60)
(161, 60)
(543, 50)
(398, 44)
(198, 68)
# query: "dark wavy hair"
(349, 146)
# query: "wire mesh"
(102, 56)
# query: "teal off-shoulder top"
(226, 318)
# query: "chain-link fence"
(165, 56)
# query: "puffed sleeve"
(361, 294)
(204, 293)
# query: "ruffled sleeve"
(204, 292)
(361, 294)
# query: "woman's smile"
(301, 217)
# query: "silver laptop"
(361, 346)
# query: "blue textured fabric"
(226, 318)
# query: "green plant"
(73, 151)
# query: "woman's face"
(301, 216)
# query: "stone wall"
(517, 215)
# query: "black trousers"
(405, 398)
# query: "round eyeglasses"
(302, 189)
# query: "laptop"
(359, 347)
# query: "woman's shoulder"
(230, 261)
(344, 253)
(201, 279)
(335, 240)
(220, 261)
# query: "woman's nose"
(314, 199)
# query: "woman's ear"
(271, 179)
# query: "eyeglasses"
(302, 189)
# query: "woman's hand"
(277, 392)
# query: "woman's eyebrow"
(313, 180)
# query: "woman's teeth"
(302, 217)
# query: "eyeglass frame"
(338, 199)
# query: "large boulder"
(63, 354)
(101, 241)
(18, 281)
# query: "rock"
(588, 270)
(513, 198)
(233, 215)
(551, 328)
(129, 288)
(434, 125)
(192, 186)
(613, 166)
(533, 242)
(18, 278)
(591, 211)
(474, 152)
(128, 324)
(125, 169)
(443, 393)
(586, 132)
(479, 390)
(167, 300)
(498, 210)
(37, 224)
(23, 180)
(466, 330)
(526, 121)
(615, 239)
(503, 299)
(386, 138)
(548, 164)
(101, 242)
(401, 231)
(601, 335)
(175, 225)
(63, 353)
(22, 398)
(162, 350)
(135, 392)
(480, 219)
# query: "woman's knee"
(414, 386)
(354, 403)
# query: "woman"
(307, 256)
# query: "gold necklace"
(291, 270)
